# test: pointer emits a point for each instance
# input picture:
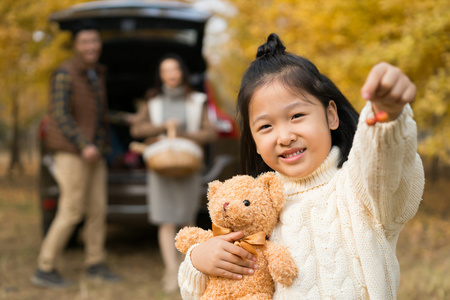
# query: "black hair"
(157, 87)
(298, 75)
(86, 24)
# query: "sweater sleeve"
(386, 169)
(191, 281)
(143, 126)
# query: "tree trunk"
(434, 169)
(15, 147)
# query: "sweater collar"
(173, 93)
(319, 177)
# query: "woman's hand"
(171, 126)
(171, 123)
(389, 89)
(220, 257)
(131, 119)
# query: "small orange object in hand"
(371, 121)
(380, 116)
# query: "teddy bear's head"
(246, 204)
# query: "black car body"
(136, 34)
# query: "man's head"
(87, 43)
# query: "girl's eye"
(246, 202)
(264, 127)
(297, 116)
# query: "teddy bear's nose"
(225, 206)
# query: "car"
(136, 34)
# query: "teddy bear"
(251, 205)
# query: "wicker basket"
(171, 156)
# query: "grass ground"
(132, 252)
(423, 250)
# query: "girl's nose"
(286, 137)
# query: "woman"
(173, 202)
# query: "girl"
(350, 187)
(173, 103)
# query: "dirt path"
(132, 251)
(423, 250)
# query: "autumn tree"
(30, 48)
(345, 39)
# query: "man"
(77, 134)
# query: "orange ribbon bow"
(247, 242)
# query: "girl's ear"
(332, 115)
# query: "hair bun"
(273, 47)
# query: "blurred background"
(343, 38)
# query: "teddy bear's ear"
(275, 188)
(213, 187)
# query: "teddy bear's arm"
(282, 267)
(189, 236)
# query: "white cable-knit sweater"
(341, 225)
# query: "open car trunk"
(136, 34)
(132, 66)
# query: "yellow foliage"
(343, 38)
(26, 64)
(346, 38)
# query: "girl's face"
(170, 73)
(291, 133)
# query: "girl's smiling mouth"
(293, 154)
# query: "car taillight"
(223, 123)
(48, 204)
(43, 127)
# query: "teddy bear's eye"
(246, 203)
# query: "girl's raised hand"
(218, 256)
(389, 89)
